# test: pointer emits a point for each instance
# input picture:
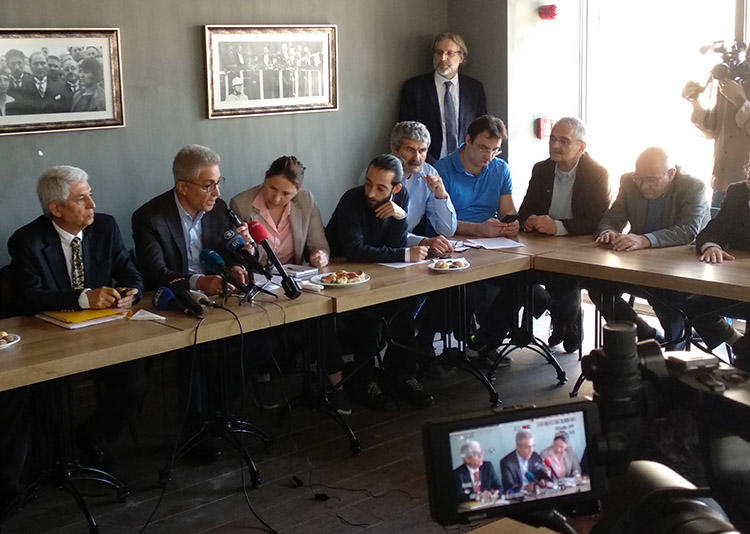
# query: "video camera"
(734, 65)
(635, 385)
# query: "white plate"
(437, 270)
(16, 339)
(317, 279)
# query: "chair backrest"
(6, 293)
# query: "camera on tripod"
(635, 386)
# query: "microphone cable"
(181, 428)
(242, 405)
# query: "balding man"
(665, 208)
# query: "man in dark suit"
(7, 102)
(70, 259)
(665, 208)
(476, 480)
(729, 230)
(444, 100)
(15, 60)
(170, 231)
(567, 195)
(523, 468)
(40, 93)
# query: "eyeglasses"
(473, 453)
(564, 141)
(208, 188)
(450, 53)
(488, 150)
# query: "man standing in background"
(444, 100)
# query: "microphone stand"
(254, 290)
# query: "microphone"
(529, 477)
(548, 463)
(165, 299)
(214, 264)
(181, 290)
(236, 221)
(291, 287)
(235, 244)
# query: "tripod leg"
(77, 472)
(254, 473)
(578, 384)
(67, 485)
(246, 427)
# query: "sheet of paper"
(401, 265)
(145, 315)
(494, 243)
(458, 246)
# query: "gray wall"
(381, 43)
(483, 24)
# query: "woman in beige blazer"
(295, 228)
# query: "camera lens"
(619, 339)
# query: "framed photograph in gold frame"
(55, 79)
(262, 70)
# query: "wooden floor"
(381, 490)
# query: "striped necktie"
(77, 261)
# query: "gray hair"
(579, 129)
(189, 160)
(409, 131)
(456, 39)
(470, 445)
(523, 435)
(54, 184)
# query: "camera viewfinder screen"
(519, 461)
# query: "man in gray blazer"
(665, 208)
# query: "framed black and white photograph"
(59, 79)
(261, 70)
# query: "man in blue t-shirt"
(478, 182)
(480, 187)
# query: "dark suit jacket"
(53, 101)
(419, 102)
(41, 281)
(465, 485)
(160, 242)
(590, 199)
(731, 227)
(685, 210)
(513, 479)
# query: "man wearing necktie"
(40, 93)
(476, 480)
(71, 259)
(444, 100)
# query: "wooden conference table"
(46, 351)
(676, 268)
